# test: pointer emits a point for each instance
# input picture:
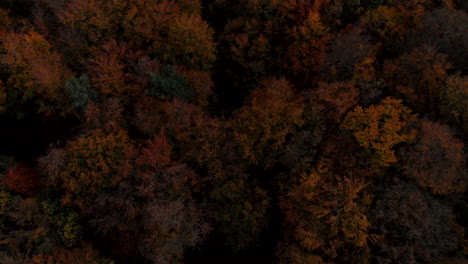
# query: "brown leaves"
(89, 18)
(419, 76)
(261, 127)
(108, 69)
(35, 71)
(437, 160)
(335, 99)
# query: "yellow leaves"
(311, 28)
(354, 227)
(192, 41)
(389, 21)
(380, 127)
(454, 97)
(93, 161)
(5, 201)
(71, 229)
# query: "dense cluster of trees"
(285, 131)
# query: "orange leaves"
(390, 21)
(380, 127)
(144, 20)
(89, 18)
(107, 69)
(34, 70)
(81, 255)
(326, 215)
(261, 127)
(308, 45)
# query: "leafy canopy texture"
(326, 218)
(261, 127)
(437, 160)
(380, 127)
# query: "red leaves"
(22, 180)
(157, 153)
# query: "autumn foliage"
(248, 131)
(21, 180)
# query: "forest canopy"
(218, 131)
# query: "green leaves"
(168, 84)
(79, 92)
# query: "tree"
(368, 80)
(349, 48)
(106, 116)
(335, 99)
(168, 84)
(454, 96)
(31, 227)
(79, 92)
(109, 71)
(119, 191)
(414, 227)
(190, 42)
(24, 230)
(91, 19)
(82, 255)
(380, 127)
(146, 22)
(172, 219)
(390, 24)
(437, 160)
(325, 218)
(22, 180)
(262, 126)
(91, 167)
(419, 76)
(34, 73)
(444, 29)
(237, 204)
(201, 84)
(306, 53)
